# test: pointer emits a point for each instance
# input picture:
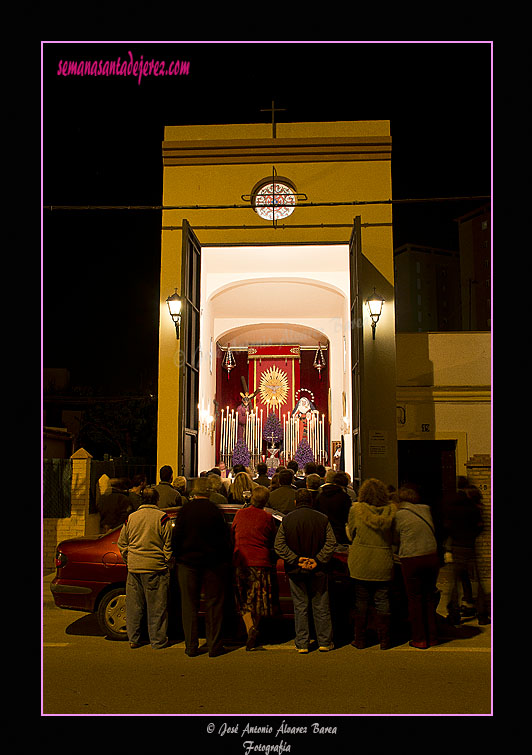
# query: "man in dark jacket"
(283, 498)
(305, 541)
(297, 482)
(333, 501)
(168, 495)
(201, 545)
(262, 475)
(115, 505)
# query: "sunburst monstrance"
(274, 387)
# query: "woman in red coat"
(254, 533)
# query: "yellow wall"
(216, 165)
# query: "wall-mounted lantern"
(174, 307)
(375, 304)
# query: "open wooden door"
(187, 452)
(357, 350)
(373, 382)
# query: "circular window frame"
(274, 212)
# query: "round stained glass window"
(274, 200)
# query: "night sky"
(102, 146)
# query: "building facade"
(269, 297)
(474, 237)
(297, 278)
(427, 289)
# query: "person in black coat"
(333, 500)
(297, 482)
(462, 523)
(262, 475)
(115, 505)
(201, 544)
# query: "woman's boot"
(383, 630)
(359, 639)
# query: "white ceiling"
(266, 334)
(277, 299)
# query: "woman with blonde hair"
(241, 484)
(370, 528)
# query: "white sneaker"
(302, 650)
(326, 648)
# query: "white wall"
(241, 286)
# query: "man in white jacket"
(145, 545)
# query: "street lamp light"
(375, 304)
(174, 307)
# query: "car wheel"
(112, 614)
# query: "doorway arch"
(241, 306)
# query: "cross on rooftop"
(273, 110)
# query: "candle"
(292, 428)
(290, 437)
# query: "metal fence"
(57, 488)
(57, 482)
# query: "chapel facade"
(275, 241)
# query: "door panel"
(357, 350)
(373, 379)
(190, 333)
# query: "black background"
(102, 146)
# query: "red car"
(91, 576)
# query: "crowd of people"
(384, 532)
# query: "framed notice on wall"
(378, 443)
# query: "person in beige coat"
(370, 527)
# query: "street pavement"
(453, 678)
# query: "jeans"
(463, 568)
(191, 580)
(147, 593)
(456, 585)
(311, 593)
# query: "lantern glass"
(174, 306)
(375, 304)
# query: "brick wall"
(479, 474)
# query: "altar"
(273, 405)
